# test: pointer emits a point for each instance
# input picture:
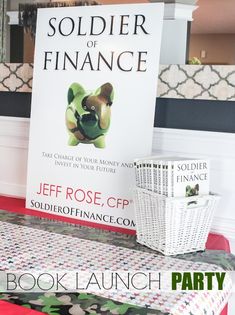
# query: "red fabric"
(11, 309)
(217, 241)
(18, 205)
(225, 310)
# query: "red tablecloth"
(12, 309)
(219, 242)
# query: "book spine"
(155, 177)
(164, 179)
(168, 179)
(149, 175)
(137, 175)
(160, 178)
(152, 176)
(172, 179)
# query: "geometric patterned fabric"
(26, 248)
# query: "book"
(174, 176)
(190, 177)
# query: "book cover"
(190, 178)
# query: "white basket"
(173, 225)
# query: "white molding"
(14, 132)
(14, 137)
(13, 190)
(177, 140)
(13, 17)
(220, 149)
(178, 11)
(224, 226)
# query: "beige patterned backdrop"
(16, 77)
(175, 81)
(197, 82)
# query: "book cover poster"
(93, 104)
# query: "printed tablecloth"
(25, 248)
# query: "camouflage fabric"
(74, 304)
(81, 304)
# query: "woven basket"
(173, 225)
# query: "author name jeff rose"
(82, 196)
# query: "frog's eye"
(109, 103)
(93, 107)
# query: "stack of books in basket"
(173, 206)
(173, 176)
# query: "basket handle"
(193, 204)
